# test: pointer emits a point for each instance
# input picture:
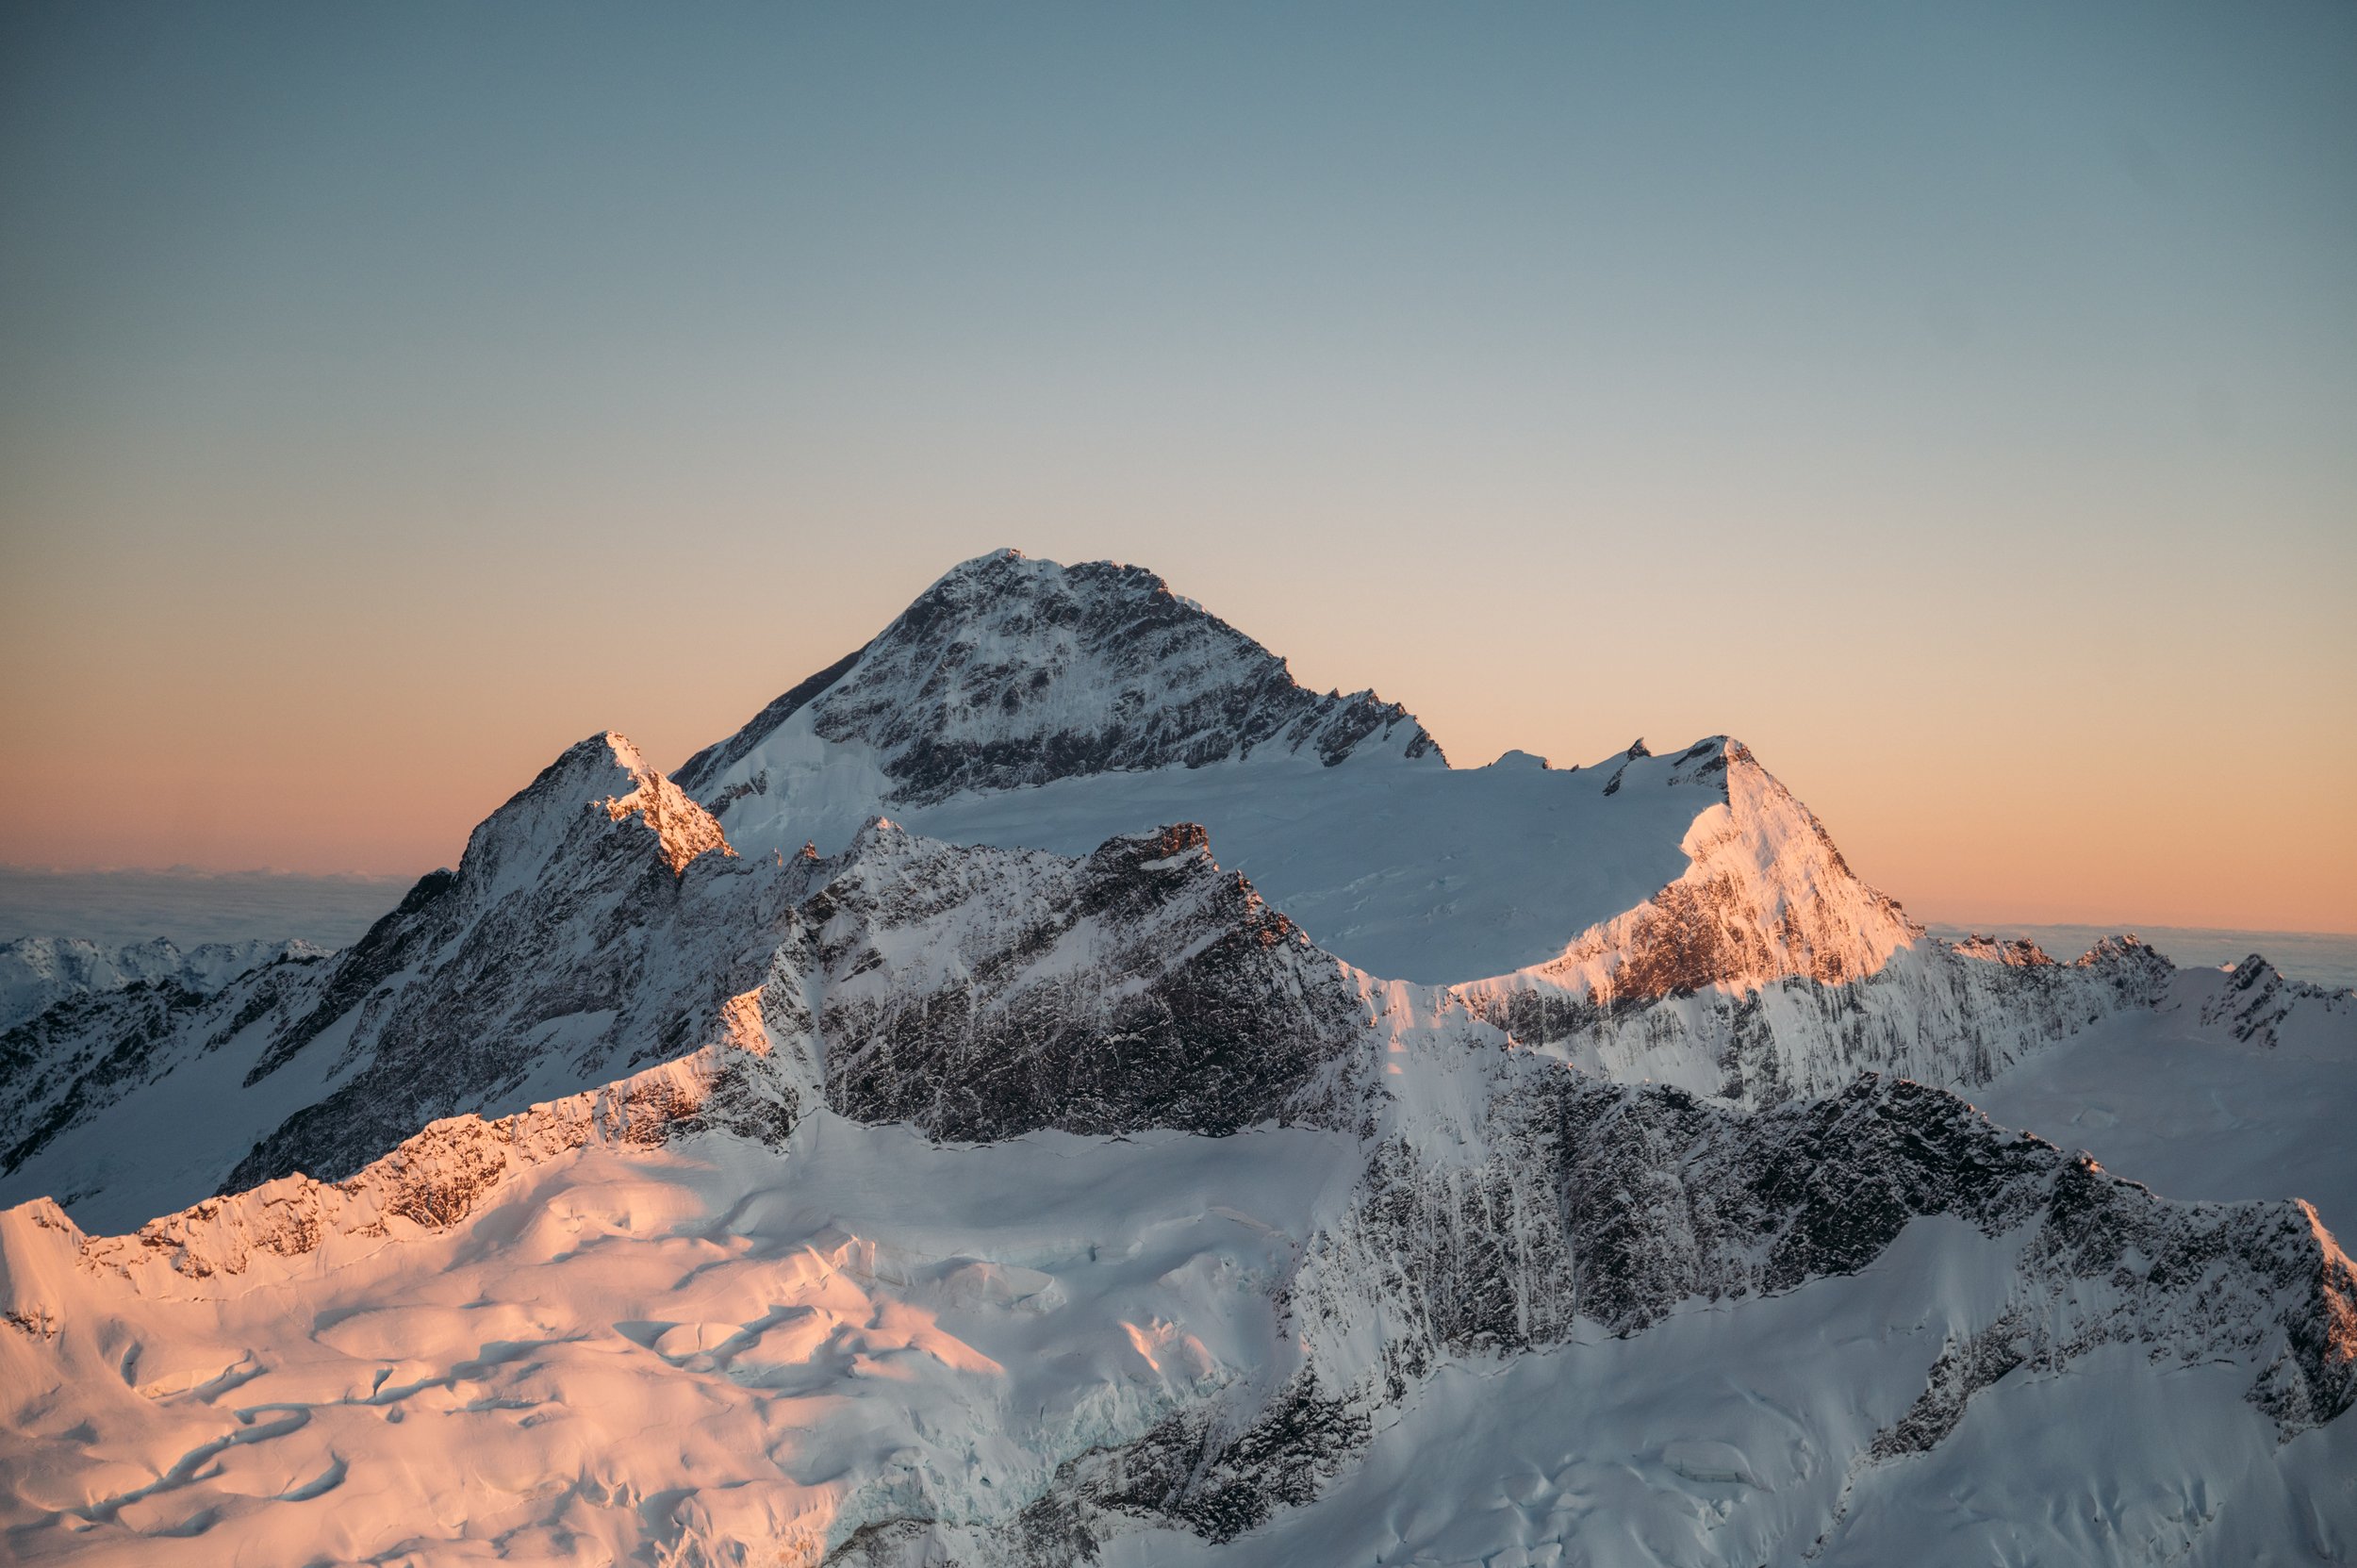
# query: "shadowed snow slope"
(2210, 1096)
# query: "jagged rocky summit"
(1174, 1085)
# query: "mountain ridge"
(975, 1128)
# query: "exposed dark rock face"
(78, 1057)
(75, 1057)
(1196, 1472)
(1140, 987)
(1962, 1371)
(1567, 1200)
(1616, 1204)
(38, 972)
(977, 993)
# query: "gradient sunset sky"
(1958, 403)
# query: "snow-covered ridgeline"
(285, 1228)
(974, 991)
(600, 921)
(568, 947)
(1770, 969)
(2258, 999)
(1499, 1214)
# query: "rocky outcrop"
(2258, 999)
(1140, 987)
(1509, 1201)
(1615, 1204)
(976, 993)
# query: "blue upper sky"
(1961, 384)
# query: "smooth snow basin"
(1429, 874)
(2190, 1112)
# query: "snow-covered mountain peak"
(1765, 897)
(682, 829)
(859, 1157)
(599, 780)
(1011, 672)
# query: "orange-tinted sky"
(1962, 410)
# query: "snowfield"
(1051, 1089)
(751, 1347)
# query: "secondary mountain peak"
(683, 828)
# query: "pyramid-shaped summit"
(1011, 672)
